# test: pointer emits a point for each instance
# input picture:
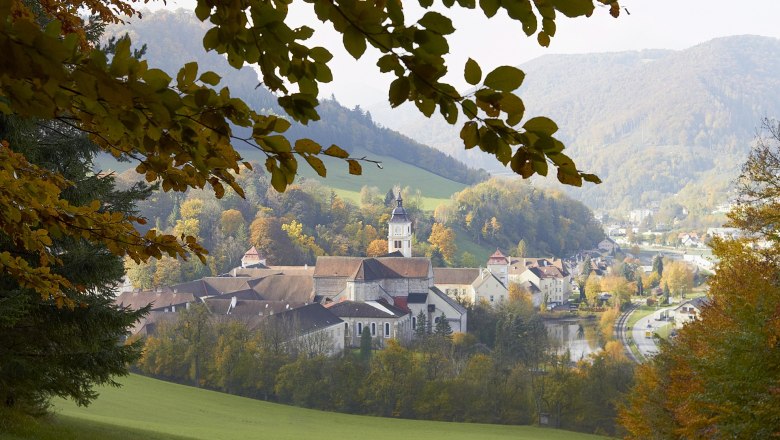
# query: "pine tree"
(640, 288)
(443, 328)
(658, 265)
(421, 330)
(667, 293)
(365, 344)
(46, 350)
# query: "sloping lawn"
(146, 408)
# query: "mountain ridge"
(623, 114)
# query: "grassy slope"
(435, 189)
(148, 408)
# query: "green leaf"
(281, 125)
(541, 125)
(505, 78)
(210, 78)
(276, 143)
(540, 166)
(354, 167)
(470, 109)
(470, 134)
(574, 8)
(592, 178)
(307, 146)
(399, 91)
(543, 39)
(433, 21)
(425, 105)
(354, 42)
(278, 180)
(202, 10)
(388, 63)
(336, 151)
(490, 7)
(316, 164)
(521, 164)
(472, 73)
(187, 74)
(568, 178)
(320, 54)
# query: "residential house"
(689, 310)
(470, 284)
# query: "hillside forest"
(309, 220)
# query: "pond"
(579, 336)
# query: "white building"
(399, 230)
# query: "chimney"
(306, 267)
(233, 302)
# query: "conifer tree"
(443, 328)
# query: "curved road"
(647, 346)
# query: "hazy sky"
(655, 24)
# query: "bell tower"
(399, 230)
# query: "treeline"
(503, 212)
(290, 228)
(513, 379)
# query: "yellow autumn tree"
(443, 238)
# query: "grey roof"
(698, 302)
(211, 286)
(370, 309)
(293, 288)
(309, 318)
(165, 298)
(399, 213)
(449, 275)
(417, 298)
(448, 300)
(486, 275)
(368, 269)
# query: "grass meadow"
(145, 408)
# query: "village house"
(383, 294)
(688, 311)
(546, 279)
(470, 284)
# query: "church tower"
(399, 230)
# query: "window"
(360, 328)
(397, 243)
(491, 298)
(373, 329)
(414, 322)
(387, 329)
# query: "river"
(579, 336)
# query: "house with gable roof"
(252, 258)
(470, 284)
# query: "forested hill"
(651, 123)
(175, 38)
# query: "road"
(647, 346)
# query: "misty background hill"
(175, 38)
(653, 124)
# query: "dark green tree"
(658, 265)
(443, 328)
(46, 350)
(421, 329)
(640, 288)
(365, 344)
(667, 293)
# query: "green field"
(435, 189)
(145, 408)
